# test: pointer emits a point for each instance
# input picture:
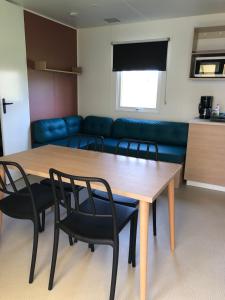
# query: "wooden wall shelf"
(42, 66)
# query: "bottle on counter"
(217, 110)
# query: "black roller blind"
(140, 56)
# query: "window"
(141, 74)
(138, 90)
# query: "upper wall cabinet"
(208, 53)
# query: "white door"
(15, 123)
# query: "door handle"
(4, 104)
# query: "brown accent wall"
(51, 94)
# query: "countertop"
(205, 122)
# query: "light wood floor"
(196, 271)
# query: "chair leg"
(34, 252)
(54, 258)
(131, 243)
(39, 224)
(71, 240)
(68, 210)
(114, 271)
(77, 197)
(41, 221)
(134, 233)
(92, 247)
(154, 217)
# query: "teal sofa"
(171, 137)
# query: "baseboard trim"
(206, 185)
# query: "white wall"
(97, 84)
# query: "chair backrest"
(57, 179)
(14, 187)
(137, 147)
(90, 142)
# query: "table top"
(128, 176)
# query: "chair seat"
(117, 199)
(67, 186)
(97, 228)
(20, 207)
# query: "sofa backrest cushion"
(97, 126)
(73, 124)
(44, 131)
(163, 132)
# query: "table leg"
(2, 174)
(171, 214)
(144, 221)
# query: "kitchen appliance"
(220, 118)
(205, 107)
(209, 66)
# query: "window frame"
(160, 95)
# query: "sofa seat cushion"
(162, 132)
(36, 145)
(45, 131)
(73, 142)
(73, 124)
(174, 154)
(62, 142)
(110, 145)
(78, 142)
(101, 126)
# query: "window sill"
(138, 110)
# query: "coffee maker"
(205, 107)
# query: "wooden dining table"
(137, 178)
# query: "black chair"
(86, 142)
(136, 148)
(26, 203)
(93, 221)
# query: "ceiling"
(93, 12)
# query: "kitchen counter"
(205, 122)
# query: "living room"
(84, 131)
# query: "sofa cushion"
(77, 141)
(174, 154)
(44, 131)
(62, 142)
(110, 145)
(163, 132)
(101, 126)
(73, 124)
(72, 142)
